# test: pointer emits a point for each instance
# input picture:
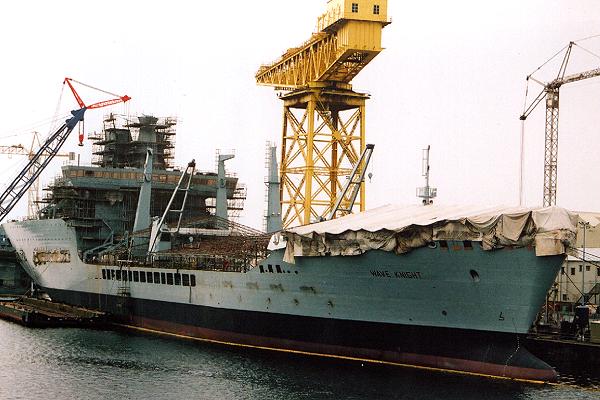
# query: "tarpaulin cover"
(402, 228)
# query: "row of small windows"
(269, 268)
(587, 268)
(165, 178)
(375, 8)
(165, 278)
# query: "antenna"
(426, 193)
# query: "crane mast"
(323, 118)
(47, 151)
(25, 178)
(33, 193)
(551, 93)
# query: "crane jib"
(38, 161)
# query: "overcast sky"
(452, 76)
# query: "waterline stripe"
(340, 357)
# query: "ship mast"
(426, 193)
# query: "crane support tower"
(550, 92)
(323, 118)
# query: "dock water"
(576, 361)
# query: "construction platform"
(39, 313)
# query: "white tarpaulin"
(402, 228)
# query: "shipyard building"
(580, 273)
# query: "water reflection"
(74, 363)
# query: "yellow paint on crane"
(346, 42)
(359, 10)
(360, 35)
(324, 119)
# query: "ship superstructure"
(100, 200)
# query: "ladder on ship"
(124, 303)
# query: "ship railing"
(203, 263)
(192, 262)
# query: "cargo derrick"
(323, 118)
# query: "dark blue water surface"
(91, 364)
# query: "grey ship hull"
(455, 350)
(456, 308)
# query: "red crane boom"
(100, 104)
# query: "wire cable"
(587, 51)
(547, 61)
(526, 94)
(26, 130)
(95, 88)
(586, 38)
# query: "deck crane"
(550, 91)
(42, 157)
(323, 118)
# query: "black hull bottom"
(459, 350)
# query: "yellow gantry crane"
(550, 92)
(323, 118)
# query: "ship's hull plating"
(455, 308)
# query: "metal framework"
(33, 193)
(182, 186)
(42, 157)
(550, 92)
(551, 147)
(320, 59)
(323, 118)
(17, 188)
(323, 137)
(347, 197)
